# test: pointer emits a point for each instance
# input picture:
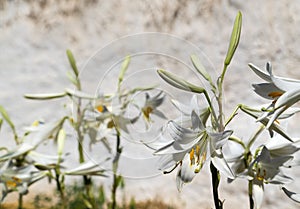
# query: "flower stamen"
(275, 94)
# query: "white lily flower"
(191, 146)
(284, 92)
(187, 110)
(266, 169)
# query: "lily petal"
(288, 98)
(267, 90)
(221, 164)
(260, 73)
(258, 193)
(181, 134)
(294, 196)
(186, 172)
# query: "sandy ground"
(35, 35)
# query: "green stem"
(220, 98)
(255, 136)
(237, 140)
(250, 190)
(215, 177)
(234, 113)
(211, 107)
(20, 203)
(115, 165)
(60, 188)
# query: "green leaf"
(235, 38)
(179, 83)
(72, 62)
(45, 96)
(8, 120)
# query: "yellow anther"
(100, 108)
(259, 176)
(35, 123)
(192, 152)
(146, 111)
(275, 94)
(11, 184)
(16, 179)
(110, 124)
(198, 153)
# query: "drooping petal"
(286, 149)
(260, 73)
(196, 122)
(186, 172)
(275, 115)
(289, 112)
(282, 83)
(258, 193)
(181, 134)
(294, 196)
(267, 90)
(176, 147)
(280, 178)
(217, 140)
(221, 164)
(167, 161)
(288, 98)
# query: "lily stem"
(250, 187)
(116, 178)
(215, 177)
(20, 206)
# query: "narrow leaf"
(45, 96)
(8, 120)
(72, 62)
(235, 38)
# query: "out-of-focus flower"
(151, 105)
(18, 179)
(284, 92)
